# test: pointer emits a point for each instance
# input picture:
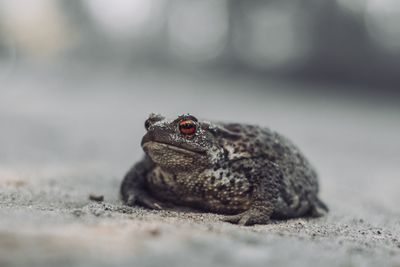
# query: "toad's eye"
(187, 127)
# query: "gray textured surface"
(65, 136)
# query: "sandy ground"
(65, 136)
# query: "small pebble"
(77, 212)
(97, 198)
(154, 232)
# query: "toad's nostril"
(147, 124)
(153, 118)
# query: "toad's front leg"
(266, 178)
(133, 188)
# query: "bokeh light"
(354, 6)
(121, 18)
(197, 30)
(38, 28)
(273, 36)
(382, 19)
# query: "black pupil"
(187, 125)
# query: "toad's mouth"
(155, 145)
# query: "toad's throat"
(151, 145)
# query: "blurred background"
(354, 41)
(78, 78)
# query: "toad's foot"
(147, 201)
(249, 217)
